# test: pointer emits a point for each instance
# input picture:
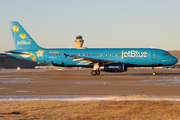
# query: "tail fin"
(22, 40)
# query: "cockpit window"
(166, 54)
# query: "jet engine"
(114, 67)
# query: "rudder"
(22, 40)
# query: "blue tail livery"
(22, 40)
(100, 59)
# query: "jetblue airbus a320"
(100, 59)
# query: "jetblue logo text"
(23, 43)
(133, 53)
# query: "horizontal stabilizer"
(17, 53)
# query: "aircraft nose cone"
(174, 60)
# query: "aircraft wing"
(89, 60)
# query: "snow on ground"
(83, 98)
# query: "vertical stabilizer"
(22, 40)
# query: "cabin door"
(153, 55)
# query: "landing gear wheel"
(154, 73)
(98, 72)
(93, 73)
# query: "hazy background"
(102, 23)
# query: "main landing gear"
(153, 73)
(95, 72)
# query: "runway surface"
(73, 81)
(74, 94)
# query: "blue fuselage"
(131, 57)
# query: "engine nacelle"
(114, 67)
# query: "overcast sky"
(102, 23)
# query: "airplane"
(100, 59)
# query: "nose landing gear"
(153, 73)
